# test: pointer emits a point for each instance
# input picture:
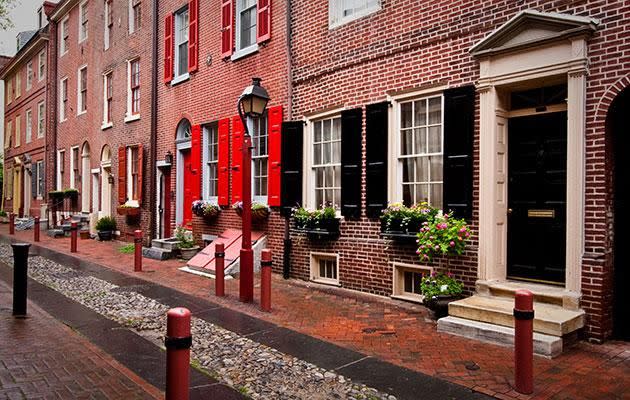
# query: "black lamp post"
(252, 103)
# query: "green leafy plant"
(3, 213)
(443, 235)
(184, 237)
(399, 218)
(206, 209)
(313, 219)
(440, 285)
(127, 206)
(303, 217)
(127, 249)
(106, 224)
(70, 192)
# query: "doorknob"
(509, 211)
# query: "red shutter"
(274, 147)
(224, 161)
(168, 48)
(122, 175)
(195, 161)
(264, 21)
(227, 22)
(193, 35)
(237, 159)
(140, 166)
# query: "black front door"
(537, 172)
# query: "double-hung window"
(9, 90)
(74, 168)
(342, 11)
(82, 91)
(41, 115)
(134, 86)
(421, 152)
(132, 173)
(83, 21)
(181, 43)
(40, 179)
(61, 162)
(64, 32)
(107, 99)
(18, 134)
(211, 162)
(245, 24)
(327, 162)
(18, 84)
(8, 134)
(29, 75)
(135, 15)
(63, 97)
(42, 65)
(29, 125)
(260, 155)
(109, 23)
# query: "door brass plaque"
(541, 213)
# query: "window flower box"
(260, 212)
(318, 224)
(130, 211)
(206, 210)
(402, 223)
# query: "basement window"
(406, 281)
(325, 268)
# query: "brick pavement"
(40, 358)
(397, 332)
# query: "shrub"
(106, 224)
(204, 208)
(184, 237)
(440, 285)
(3, 213)
(127, 249)
(443, 235)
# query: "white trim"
(180, 79)
(106, 124)
(72, 177)
(79, 112)
(106, 31)
(238, 54)
(398, 289)
(40, 74)
(64, 22)
(243, 51)
(335, 9)
(28, 116)
(205, 178)
(314, 257)
(41, 119)
(58, 182)
(29, 82)
(129, 116)
(62, 114)
(80, 19)
(177, 42)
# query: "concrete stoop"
(488, 316)
(161, 249)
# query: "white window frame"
(72, 177)
(131, 201)
(106, 124)
(308, 190)
(39, 188)
(206, 161)
(59, 182)
(132, 21)
(29, 75)
(83, 36)
(29, 125)
(41, 119)
(63, 49)
(398, 280)
(315, 276)
(18, 133)
(41, 65)
(263, 199)
(62, 111)
(179, 76)
(9, 134)
(252, 48)
(18, 84)
(130, 116)
(9, 90)
(79, 102)
(336, 17)
(107, 30)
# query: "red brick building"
(102, 137)
(468, 75)
(209, 52)
(26, 87)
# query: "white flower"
(443, 288)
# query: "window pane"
(422, 169)
(436, 168)
(420, 112)
(327, 153)
(420, 141)
(317, 130)
(436, 195)
(406, 142)
(405, 115)
(422, 193)
(408, 170)
(435, 139)
(326, 128)
(408, 195)
(336, 152)
(408, 278)
(337, 198)
(317, 154)
(329, 177)
(435, 110)
(336, 135)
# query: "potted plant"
(393, 217)
(438, 290)
(206, 210)
(105, 228)
(327, 219)
(260, 211)
(443, 235)
(56, 196)
(128, 210)
(304, 219)
(187, 247)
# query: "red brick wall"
(29, 99)
(415, 44)
(78, 129)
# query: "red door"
(188, 192)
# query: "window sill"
(132, 203)
(416, 298)
(180, 79)
(325, 281)
(131, 118)
(344, 20)
(244, 52)
(81, 113)
(63, 120)
(106, 126)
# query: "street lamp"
(252, 103)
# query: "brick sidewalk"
(42, 358)
(400, 333)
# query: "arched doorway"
(105, 205)
(183, 191)
(617, 123)
(85, 178)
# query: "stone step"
(544, 345)
(542, 293)
(548, 318)
(55, 233)
(167, 243)
(156, 253)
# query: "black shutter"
(376, 128)
(42, 173)
(351, 123)
(459, 126)
(34, 168)
(291, 165)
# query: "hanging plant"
(442, 236)
(260, 211)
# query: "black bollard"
(20, 278)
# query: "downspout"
(51, 94)
(286, 259)
(154, 104)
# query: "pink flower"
(422, 247)
(467, 234)
(417, 251)
(463, 229)
(437, 247)
(449, 274)
(452, 243)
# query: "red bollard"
(11, 224)
(524, 341)
(178, 341)
(36, 229)
(265, 280)
(219, 281)
(137, 255)
(73, 237)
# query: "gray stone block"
(156, 253)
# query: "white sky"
(24, 17)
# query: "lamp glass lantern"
(253, 100)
